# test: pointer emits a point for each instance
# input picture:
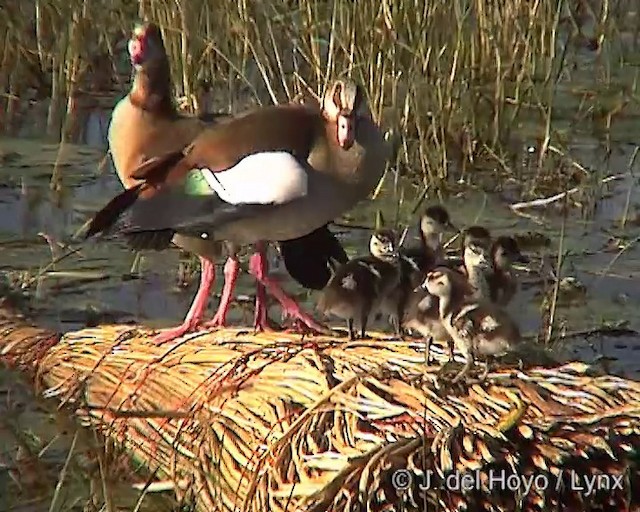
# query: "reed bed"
(456, 78)
(240, 421)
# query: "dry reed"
(271, 422)
(454, 77)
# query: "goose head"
(146, 47)
(345, 105)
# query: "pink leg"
(231, 271)
(257, 266)
(199, 304)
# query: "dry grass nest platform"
(241, 421)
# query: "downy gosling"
(503, 284)
(416, 261)
(422, 313)
(478, 328)
(356, 290)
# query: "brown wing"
(291, 128)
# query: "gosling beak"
(521, 258)
(485, 264)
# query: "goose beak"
(346, 132)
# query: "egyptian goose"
(421, 312)
(358, 287)
(145, 125)
(478, 328)
(503, 285)
(416, 261)
(320, 162)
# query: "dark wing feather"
(290, 128)
(150, 240)
(105, 218)
(174, 210)
(310, 259)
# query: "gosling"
(478, 328)
(503, 284)
(415, 262)
(422, 311)
(357, 288)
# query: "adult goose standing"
(146, 125)
(276, 173)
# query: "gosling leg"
(429, 343)
(467, 352)
(352, 332)
(450, 344)
(465, 370)
(364, 320)
(484, 374)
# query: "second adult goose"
(277, 173)
(146, 125)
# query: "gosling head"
(478, 235)
(476, 248)
(383, 245)
(477, 256)
(438, 283)
(506, 252)
(435, 220)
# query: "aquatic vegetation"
(459, 80)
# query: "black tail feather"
(310, 259)
(155, 170)
(104, 220)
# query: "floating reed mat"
(241, 421)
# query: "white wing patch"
(426, 303)
(464, 311)
(348, 282)
(489, 324)
(261, 178)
